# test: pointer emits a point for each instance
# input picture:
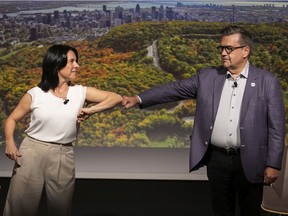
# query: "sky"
(187, 1)
(162, 0)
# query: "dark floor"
(99, 197)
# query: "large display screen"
(127, 48)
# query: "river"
(77, 6)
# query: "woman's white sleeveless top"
(52, 120)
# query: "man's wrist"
(139, 101)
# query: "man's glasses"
(228, 49)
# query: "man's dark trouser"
(229, 184)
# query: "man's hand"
(129, 102)
(270, 175)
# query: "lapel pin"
(253, 84)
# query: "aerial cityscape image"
(121, 41)
(128, 47)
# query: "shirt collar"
(244, 73)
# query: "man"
(239, 125)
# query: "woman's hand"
(84, 114)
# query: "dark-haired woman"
(45, 158)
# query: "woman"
(45, 158)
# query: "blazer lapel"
(218, 83)
(251, 86)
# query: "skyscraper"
(138, 10)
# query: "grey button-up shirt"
(226, 133)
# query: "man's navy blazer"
(262, 118)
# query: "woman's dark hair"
(245, 36)
(54, 60)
